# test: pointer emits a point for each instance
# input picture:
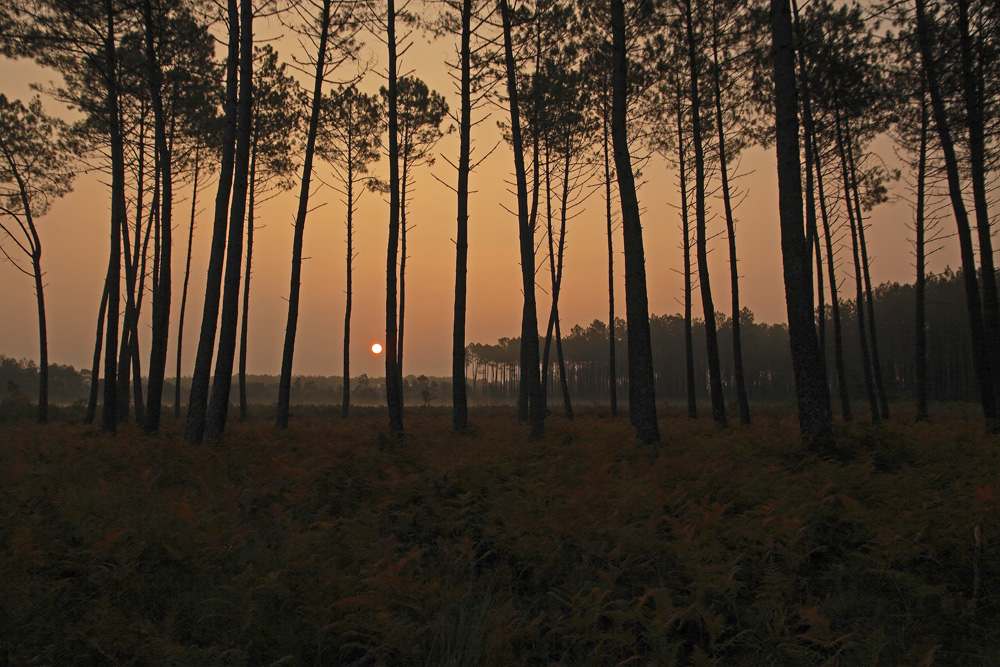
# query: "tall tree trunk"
(393, 387)
(612, 371)
(95, 372)
(920, 284)
(734, 274)
(459, 400)
(530, 376)
(838, 331)
(691, 386)
(971, 86)
(194, 430)
(642, 396)
(109, 412)
(883, 400)
(981, 355)
(245, 316)
(218, 406)
(811, 390)
(346, 404)
(161, 292)
(859, 303)
(187, 276)
(404, 182)
(291, 326)
(701, 234)
(131, 268)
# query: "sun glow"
(376, 348)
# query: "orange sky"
(75, 242)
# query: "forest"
(689, 489)
(177, 96)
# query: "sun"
(376, 348)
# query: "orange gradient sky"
(75, 244)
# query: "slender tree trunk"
(161, 293)
(612, 371)
(812, 392)
(971, 86)
(404, 182)
(642, 397)
(883, 400)
(218, 406)
(563, 214)
(393, 387)
(859, 303)
(194, 430)
(701, 234)
(291, 327)
(554, 307)
(530, 376)
(131, 268)
(245, 317)
(981, 355)
(187, 276)
(109, 413)
(95, 372)
(691, 386)
(459, 400)
(734, 274)
(838, 331)
(346, 405)
(920, 284)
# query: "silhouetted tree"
(642, 399)
(529, 369)
(350, 140)
(812, 392)
(35, 169)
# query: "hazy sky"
(75, 244)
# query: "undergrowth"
(331, 542)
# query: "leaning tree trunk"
(530, 375)
(184, 290)
(859, 305)
(245, 316)
(109, 412)
(883, 400)
(642, 396)
(981, 355)
(218, 406)
(972, 86)
(161, 293)
(459, 399)
(95, 372)
(194, 430)
(838, 330)
(291, 326)
(734, 274)
(811, 390)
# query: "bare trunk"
(218, 406)
(612, 371)
(982, 356)
(460, 405)
(187, 277)
(701, 233)
(245, 316)
(530, 377)
(194, 430)
(811, 390)
(920, 284)
(393, 387)
(642, 396)
(692, 388)
(95, 372)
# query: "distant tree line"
(492, 372)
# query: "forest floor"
(331, 543)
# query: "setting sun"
(376, 348)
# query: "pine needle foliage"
(330, 542)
